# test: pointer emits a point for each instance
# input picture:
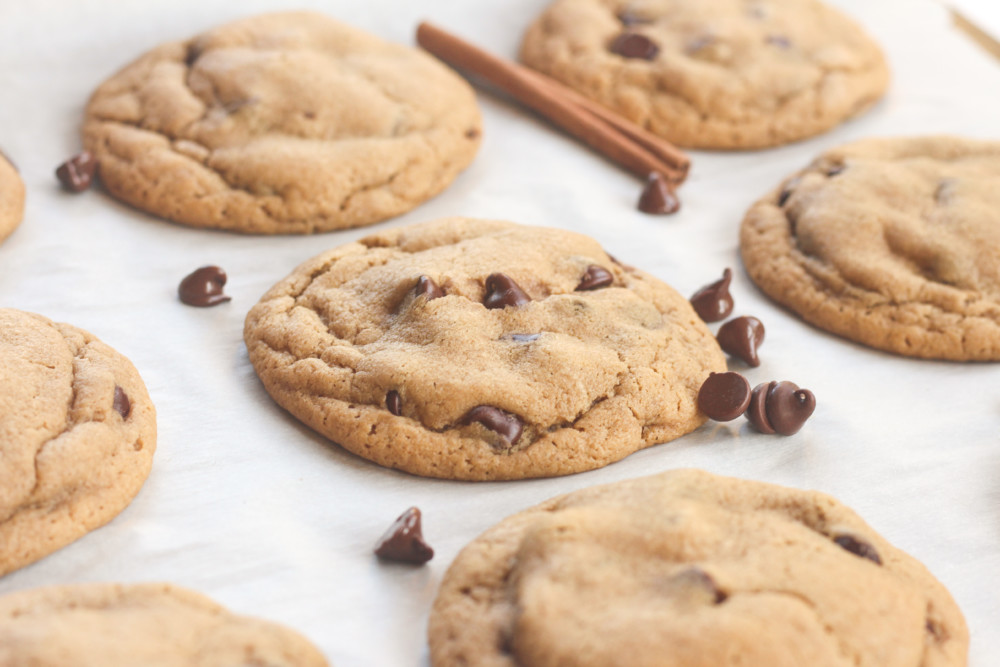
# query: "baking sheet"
(251, 508)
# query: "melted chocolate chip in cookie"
(426, 287)
(634, 45)
(858, 547)
(506, 425)
(595, 277)
(121, 402)
(502, 291)
(394, 403)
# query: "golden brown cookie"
(687, 569)
(11, 197)
(153, 625)
(470, 349)
(281, 123)
(77, 435)
(893, 243)
(712, 73)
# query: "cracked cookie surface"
(712, 73)
(11, 198)
(281, 123)
(155, 625)
(689, 569)
(471, 349)
(892, 243)
(77, 435)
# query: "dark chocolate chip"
(394, 402)
(788, 407)
(740, 337)
(858, 547)
(756, 412)
(525, 338)
(596, 276)
(203, 288)
(634, 45)
(695, 577)
(502, 291)
(121, 403)
(713, 302)
(77, 173)
(428, 288)
(724, 396)
(506, 425)
(629, 17)
(658, 197)
(836, 170)
(786, 191)
(779, 41)
(404, 541)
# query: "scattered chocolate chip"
(780, 407)
(596, 276)
(77, 173)
(394, 402)
(779, 41)
(404, 541)
(695, 577)
(858, 547)
(658, 197)
(836, 170)
(634, 45)
(428, 288)
(713, 302)
(756, 412)
(506, 425)
(525, 338)
(740, 337)
(724, 396)
(629, 17)
(502, 291)
(203, 288)
(787, 190)
(121, 403)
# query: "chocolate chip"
(194, 50)
(472, 133)
(713, 302)
(658, 197)
(404, 541)
(788, 407)
(506, 425)
(525, 338)
(740, 337)
(756, 412)
(203, 288)
(596, 276)
(394, 402)
(426, 287)
(634, 45)
(629, 17)
(697, 578)
(787, 190)
(779, 41)
(724, 396)
(502, 291)
(77, 173)
(858, 547)
(836, 170)
(121, 403)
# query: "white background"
(249, 507)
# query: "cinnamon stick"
(621, 141)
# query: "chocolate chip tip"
(658, 196)
(404, 541)
(77, 173)
(202, 288)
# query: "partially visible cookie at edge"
(77, 435)
(154, 625)
(11, 197)
(471, 349)
(689, 569)
(893, 243)
(712, 73)
(281, 123)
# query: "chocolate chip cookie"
(281, 123)
(712, 73)
(470, 349)
(893, 243)
(11, 197)
(77, 435)
(687, 569)
(154, 625)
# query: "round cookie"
(154, 625)
(687, 569)
(408, 349)
(712, 73)
(892, 243)
(77, 435)
(11, 197)
(281, 123)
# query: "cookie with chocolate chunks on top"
(77, 435)
(688, 569)
(892, 243)
(470, 349)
